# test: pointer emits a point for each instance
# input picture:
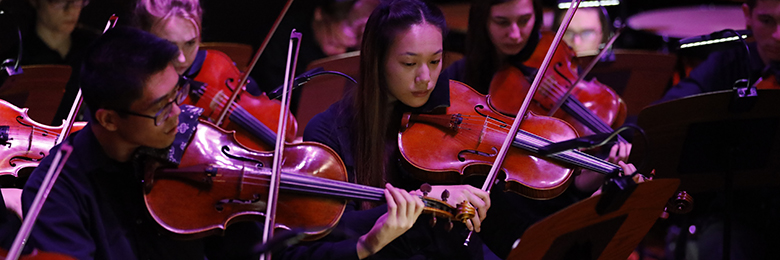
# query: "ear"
(746, 11)
(107, 119)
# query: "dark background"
(247, 21)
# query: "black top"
(96, 210)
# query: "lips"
(421, 93)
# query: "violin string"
(35, 130)
(310, 184)
(577, 157)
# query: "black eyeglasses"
(165, 112)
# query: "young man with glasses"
(96, 208)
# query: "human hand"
(619, 152)
(403, 209)
(13, 200)
(459, 193)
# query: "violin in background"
(253, 117)
(591, 108)
(24, 143)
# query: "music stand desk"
(579, 232)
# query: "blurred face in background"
(510, 25)
(183, 32)
(764, 20)
(584, 33)
(58, 15)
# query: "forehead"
(158, 86)
(176, 29)
(767, 7)
(512, 8)
(586, 18)
(421, 39)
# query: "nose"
(423, 76)
(776, 33)
(514, 33)
(181, 58)
(175, 111)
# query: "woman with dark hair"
(399, 64)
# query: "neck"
(112, 145)
(55, 39)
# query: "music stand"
(691, 139)
(714, 142)
(39, 88)
(639, 77)
(579, 232)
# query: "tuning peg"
(425, 188)
(449, 225)
(445, 195)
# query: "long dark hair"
(480, 52)
(369, 106)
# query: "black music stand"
(713, 142)
(580, 232)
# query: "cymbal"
(681, 22)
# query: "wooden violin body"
(591, 108)
(255, 118)
(24, 142)
(467, 137)
(219, 181)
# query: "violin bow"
(259, 52)
(35, 208)
(586, 70)
(276, 170)
(491, 178)
(74, 109)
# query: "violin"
(252, 117)
(591, 108)
(38, 255)
(468, 135)
(24, 143)
(220, 181)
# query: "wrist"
(364, 247)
